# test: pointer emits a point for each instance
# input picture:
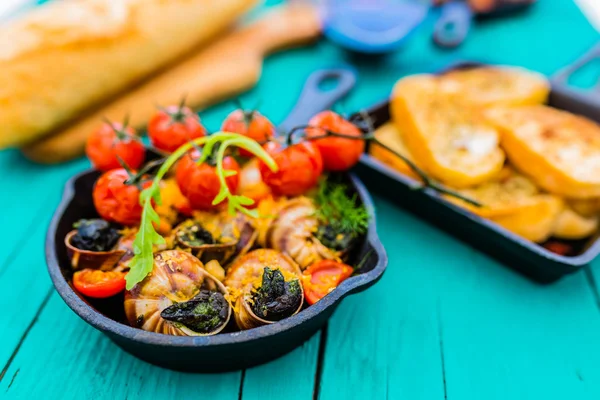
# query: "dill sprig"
(339, 210)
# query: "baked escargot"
(293, 232)
(94, 244)
(178, 298)
(265, 288)
(215, 236)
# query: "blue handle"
(314, 99)
(454, 24)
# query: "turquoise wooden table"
(445, 322)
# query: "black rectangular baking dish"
(529, 258)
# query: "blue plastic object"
(372, 26)
(454, 24)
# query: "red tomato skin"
(200, 183)
(259, 128)
(299, 168)
(115, 201)
(322, 277)
(99, 284)
(339, 154)
(168, 135)
(103, 146)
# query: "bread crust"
(558, 150)
(68, 55)
(221, 70)
(446, 135)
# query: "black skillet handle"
(588, 101)
(313, 99)
(562, 76)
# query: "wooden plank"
(24, 284)
(506, 337)
(292, 376)
(30, 194)
(384, 343)
(65, 358)
(499, 335)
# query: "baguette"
(227, 67)
(67, 55)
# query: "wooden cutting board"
(228, 67)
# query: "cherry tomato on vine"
(174, 126)
(200, 183)
(299, 168)
(322, 277)
(339, 154)
(99, 284)
(110, 141)
(251, 124)
(116, 201)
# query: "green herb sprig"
(339, 210)
(147, 237)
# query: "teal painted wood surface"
(445, 322)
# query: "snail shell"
(234, 236)
(103, 260)
(292, 233)
(242, 275)
(176, 277)
(125, 244)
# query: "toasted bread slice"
(558, 150)
(585, 207)
(535, 222)
(497, 86)
(448, 138)
(508, 193)
(389, 135)
(571, 225)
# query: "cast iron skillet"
(226, 351)
(529, 258)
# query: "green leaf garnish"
(143, 245)
(147, 237)
(339, 210)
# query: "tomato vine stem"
(427, 181)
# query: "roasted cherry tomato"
(174, 126)
(116, 201)
(299, 168)
(200, 183)
(322, 277)
(251, 184)
(339, 154)
(251, 124)
(559, 248)
(99, 284)
(110, 141)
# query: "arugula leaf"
(145, 240)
